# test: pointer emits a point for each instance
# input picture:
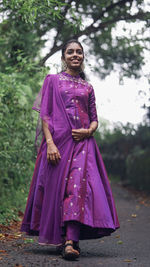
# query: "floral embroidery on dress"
(71, 79)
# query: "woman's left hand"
(80, 134)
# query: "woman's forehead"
(73, 46)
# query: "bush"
(126, 153)
(17, 123)
(115, 165)
(138, 169)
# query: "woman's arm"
(80, 134)
(93, 127)
(47, 133)
(53, 154)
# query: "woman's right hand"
(53, 154)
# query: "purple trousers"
(72, 231)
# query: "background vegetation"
(25, 28)
(126, 153)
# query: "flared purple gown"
(77, 188)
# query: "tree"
(26, 25)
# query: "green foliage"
(27, 25)
(30, 10)
(17, 40)
(138, 168)
(17, 136)
(17, 124)
(12, 201)
(126, 153)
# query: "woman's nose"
(75, 53)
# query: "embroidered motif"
(71, 79)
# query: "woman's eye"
(69, 52)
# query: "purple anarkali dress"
(77, 188)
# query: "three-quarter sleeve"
(92, 105)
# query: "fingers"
(79, 134)
(78, 131)
(78, 138)
(81, 130)
(59, 156)
(48, 158)
(53, 157)
(76, 135)
(75, 130)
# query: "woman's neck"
(72, 72)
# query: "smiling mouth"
(75, 60)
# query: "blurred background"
(116, 38)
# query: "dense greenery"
(17, 124)
(126, 153)
(27, 25)
(16, 137)
(25, 28)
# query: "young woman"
(70, 196)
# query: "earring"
(63, 65)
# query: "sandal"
(70, 254)
(76, 246)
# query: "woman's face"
(73, 56)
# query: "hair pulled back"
(81, 73)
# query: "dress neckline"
(69, 75)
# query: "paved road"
(128, 246)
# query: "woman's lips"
(75, 61)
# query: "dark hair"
(81, 73)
